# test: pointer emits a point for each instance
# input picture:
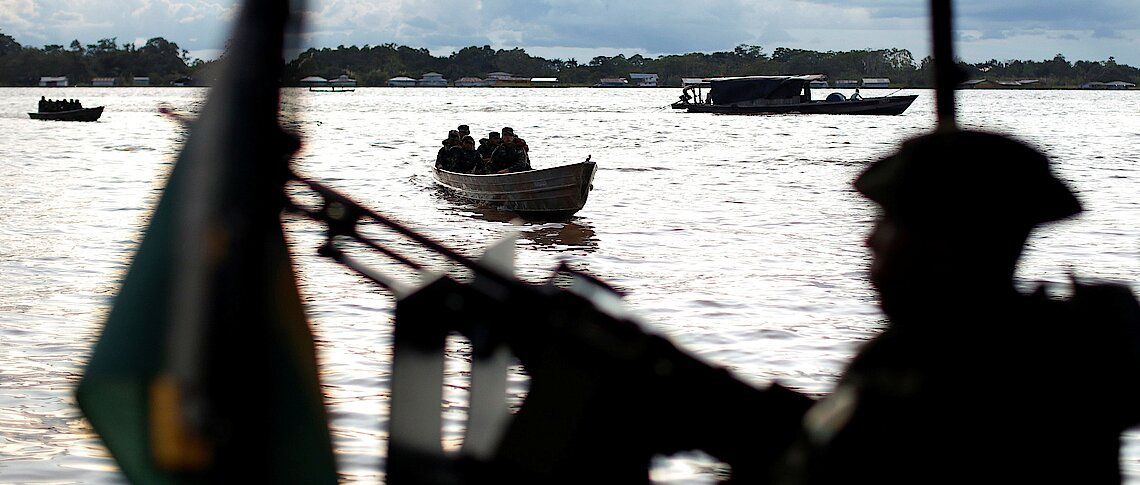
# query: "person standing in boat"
(43, 104)
(511, 155)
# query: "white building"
(141, 81)
(103, 82)
(544, 82)
(401, 82)
(432, 80)
(643, 80)
(876, 82)
(53, 81)
(499, 75)
(1108, 85)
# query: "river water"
(739, 237)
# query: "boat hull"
(886, 105)
(85, 114)
(550, 193)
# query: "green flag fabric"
(205, 370)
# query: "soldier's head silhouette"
(957, 208)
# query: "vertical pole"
(947, 75)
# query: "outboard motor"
(833, 97)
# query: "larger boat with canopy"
(780, 95)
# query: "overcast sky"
(1001, 29)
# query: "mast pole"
(947, 75)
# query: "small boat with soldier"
(65, 110)
(84, 114)
(546, 194)
(780, 95)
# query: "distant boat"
(546, 194)
(780, 95)
(85, 114)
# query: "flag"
(205, 370)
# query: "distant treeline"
(163, 61)
(374, 65)
(159, 59)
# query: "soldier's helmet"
(945, 179)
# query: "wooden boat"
(85, 114)
(549, 193)
(780, 95)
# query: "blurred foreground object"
(205, 370)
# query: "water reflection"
(559, 236)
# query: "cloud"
(89, 20)
(991, 28)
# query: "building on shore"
(1108, 85)
(470, 82)
(506, 80)
(644, 80)
(612, 82)
(846, 83)
(543, 82)
(1020, 83)
(401, 82)
(183, 82)
(53, 81)
(876, 83)
(140, 81)
(104, 82)
(432, 80)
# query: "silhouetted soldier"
(43, 106)
(972, 380)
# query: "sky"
(582, 29)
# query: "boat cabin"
(750, 91)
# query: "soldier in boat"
(445, 158)
(970, 378)
(488, 145)
(511, 155)
(464, 130)
(43, 105)
(971, 374)
(465, 158)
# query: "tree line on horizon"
(159, 59)
(374, 65)
(164, 61)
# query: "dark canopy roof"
(727, 90)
